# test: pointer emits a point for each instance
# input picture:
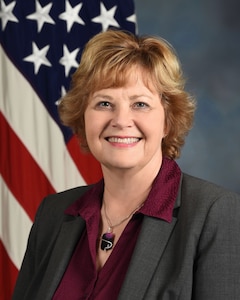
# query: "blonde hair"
(106, 62)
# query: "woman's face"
(125, 126)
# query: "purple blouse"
(81, 279)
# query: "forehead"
(136, 87)
(133, 75)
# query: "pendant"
(107, 241)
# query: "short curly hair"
(106, 62)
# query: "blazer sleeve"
(217, 265)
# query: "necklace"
(107, 239)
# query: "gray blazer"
(196, 256)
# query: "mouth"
(123, 140)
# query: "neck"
(125, 189)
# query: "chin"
(119, 165)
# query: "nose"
(122, 117)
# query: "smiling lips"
(124, 140)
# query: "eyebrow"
(102, 96)
(108, 97)
(134, 97)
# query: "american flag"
(41, 43)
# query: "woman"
(146, 230)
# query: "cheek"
(155, 126)
(90, 131)
(89, 128)
(93, 126)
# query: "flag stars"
(106, 17)
(68, 60)
(132, 18)
(71, 15)
(38, 57)
(41, 15)
(6, 13)
(63, 93)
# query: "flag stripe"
(40, 48)
(8, 274)
(39, 133)
(24, 177)
(15, 225)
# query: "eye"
(103, 105)
(140, 105)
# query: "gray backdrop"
(206, 36)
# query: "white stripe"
(14, 226)
(34, 126)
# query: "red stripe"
(20, 171)
(86, 163)
(8, 274)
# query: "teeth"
(123, 140)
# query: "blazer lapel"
(65, 244)
(151, 243)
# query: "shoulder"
(51, 214)
(209, 226)
(209, 213)
(199, 188)
(54, 205)
(199, 197)
(65, 198)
